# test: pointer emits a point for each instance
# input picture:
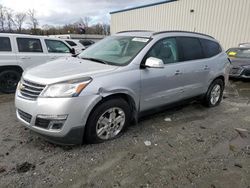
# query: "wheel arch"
(11, 67)
(221, 77)
(128, 98)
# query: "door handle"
(206, 67)
(178, 73)
(53, 58)
(25, 57)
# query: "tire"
(214, 96)
(100, 120)
(9, 80)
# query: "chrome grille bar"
(30, 90)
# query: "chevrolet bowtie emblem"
(21, 87)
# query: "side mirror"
(73, 51)
(153, 62)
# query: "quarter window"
(56, 46)
(191, 48)
(29, 45)
(5, 44)
(166, 50)
(210, 48)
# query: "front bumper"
(76, 110)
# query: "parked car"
(240, 58)
(95, 96)
(19, 52)
(86, 42)
(74, 43)
(245, 45)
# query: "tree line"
(28, 23)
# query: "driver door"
(57, 49)
(161, 86)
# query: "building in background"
(226, 20)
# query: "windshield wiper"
(96, 60)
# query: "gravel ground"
(189, 146)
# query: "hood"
(65, 69)
(240, 61)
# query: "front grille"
(43, 123)
(30, 90)
(24, 116)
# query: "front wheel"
(214, 94)
(107, 121)
(9, 80)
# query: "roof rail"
(179, 31)
(133, 31)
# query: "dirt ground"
(189, 146)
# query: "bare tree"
(9, 19)
(2, 17)
(86, 21)
(33, 20)
(19, 20)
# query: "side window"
(56, 46)
(29, 45)
(71, 43)
(5, 44)
(210, 48)
(191, 48)
(166, 50)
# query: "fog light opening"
(56, 125)
(54, 122)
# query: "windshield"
(115, 50)
(239, 52)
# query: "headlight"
(71, 88)
(247, 66)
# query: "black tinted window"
(191, 48)
(5, 44)
(29, 45)
(71, 43)
(86, 42)
(210, 48)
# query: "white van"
(18, 52)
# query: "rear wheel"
(9, 80)
(107, 121)
(214, 94)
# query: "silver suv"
(95, 95)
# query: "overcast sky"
(60, 12)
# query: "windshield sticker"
(140, 39)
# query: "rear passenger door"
(57, 49)
(30, 52)
(194, 66)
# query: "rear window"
(5, 44)
(210, 48)
(29, 45)
(190, 48)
